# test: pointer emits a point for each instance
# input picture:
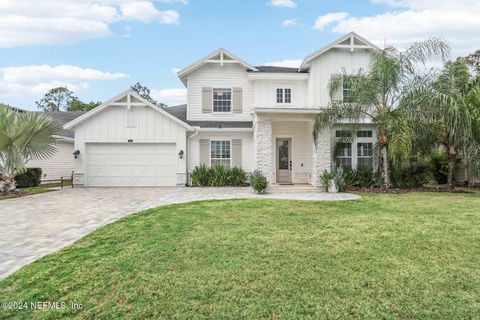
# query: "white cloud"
(325, 20)
(174, 1)
(145, 11)
(285, 63)
(290, 22)
(175, 70)
(283, 3)
(35, 80)
(39, 22)
(411, 20)
(171, 96)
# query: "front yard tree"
(451, 112)
(375, 95)
(23, 136)
(57, 99)
(144, 92)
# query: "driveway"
(36, 225)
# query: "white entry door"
(284, 160)
(131, 164)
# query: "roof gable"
(219, 56)
(129, 99)
(350, 41)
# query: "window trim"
(283, 88)
(354, 145)
(210, 150)
(231, 100)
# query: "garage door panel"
(131, 164)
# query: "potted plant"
(328, 181)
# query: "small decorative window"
(222, 99)
(364, 155)
(364, 133)
(284, 95)
(344, 154)
(220, 153)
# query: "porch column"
(321, 156)
(262, 139)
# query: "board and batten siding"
(110, 125)
(248, 163)
(266, 93)
(229, 75)
(59, 165)
(332, 62)
(302, 147)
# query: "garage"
(129, 142)
(131, 165)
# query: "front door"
(284, 160)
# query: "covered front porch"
(285, 150)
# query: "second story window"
(348, 82)
(222, 99)
(284, 95)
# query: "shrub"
(201, 176)
(339, 176)
(238, 177)
(414, 175)
(364, 177)
(31, 177)
(218, 176)
(258, 181)
(439, 167)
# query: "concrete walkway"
(36, 225)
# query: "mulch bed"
(407, 190)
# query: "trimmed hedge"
(218, 176)
(31, 177)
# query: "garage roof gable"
(128, 98)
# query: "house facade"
(237, 115)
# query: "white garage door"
(129, 164)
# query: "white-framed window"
(284, 95)
(344, 154)
(220, 151)
(347, 84)
(354, 151)
(222, 99)
(364, 154)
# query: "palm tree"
(374, 96)
(449, 116)
(23, 136)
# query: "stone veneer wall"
(262, 140)
(321, 156)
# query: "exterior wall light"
(180, 154)
(76, 154)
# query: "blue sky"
(99, 48)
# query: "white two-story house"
(237, 115)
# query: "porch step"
(287, 188)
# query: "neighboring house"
(61, 163)
(236, 115)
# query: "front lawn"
(409, 256)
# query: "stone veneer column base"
(321, 156)
(262, 140)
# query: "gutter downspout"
(195, 133)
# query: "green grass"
(409, 256)
(46, 187)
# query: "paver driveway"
(36, 225)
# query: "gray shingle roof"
(62, 118)
(180, 112)
(273, 69)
